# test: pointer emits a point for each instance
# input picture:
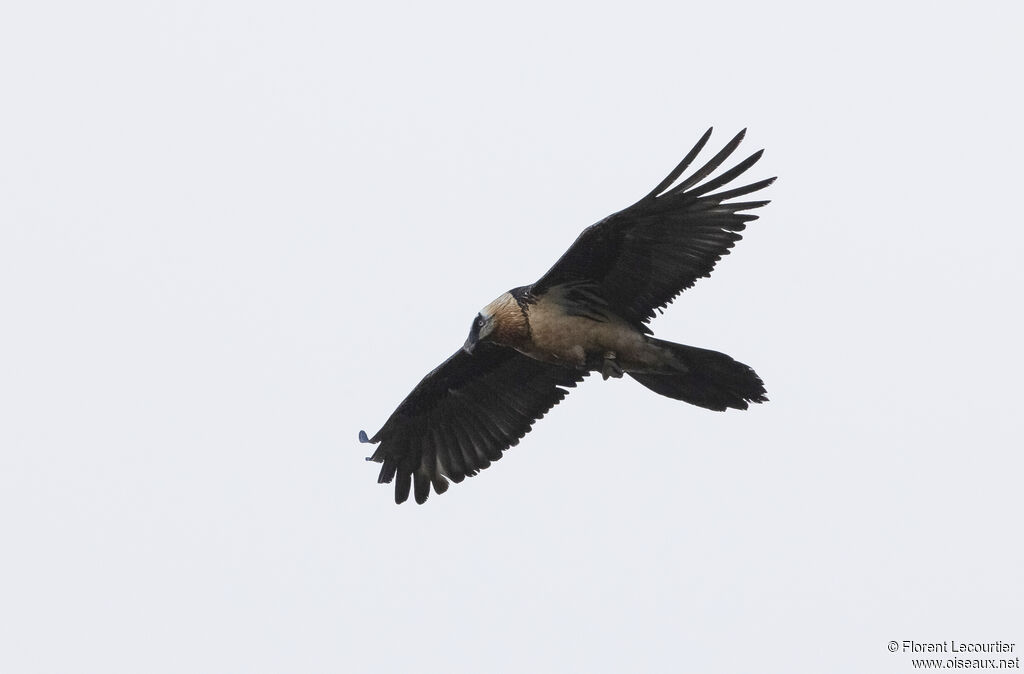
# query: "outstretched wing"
(462, 415)
(639, 259)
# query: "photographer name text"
(954, 646)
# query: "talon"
(363, 437)
(610, 366)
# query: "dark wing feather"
(642, 257)
(462, 415)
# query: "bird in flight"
(588, 313)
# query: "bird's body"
(588, 313)
(551, 328)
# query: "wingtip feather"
(682, 166)
(421, 486)
(403, 484)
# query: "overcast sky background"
(232, 234)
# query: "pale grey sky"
(232, 234)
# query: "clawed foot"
(610, 366)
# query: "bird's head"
(483, 326)
(500, 322)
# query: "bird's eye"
(479, 321)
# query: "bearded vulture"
(589, 312)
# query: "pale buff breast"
(559, 337)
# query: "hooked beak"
(470, 344)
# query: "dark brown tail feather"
(707, 379)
